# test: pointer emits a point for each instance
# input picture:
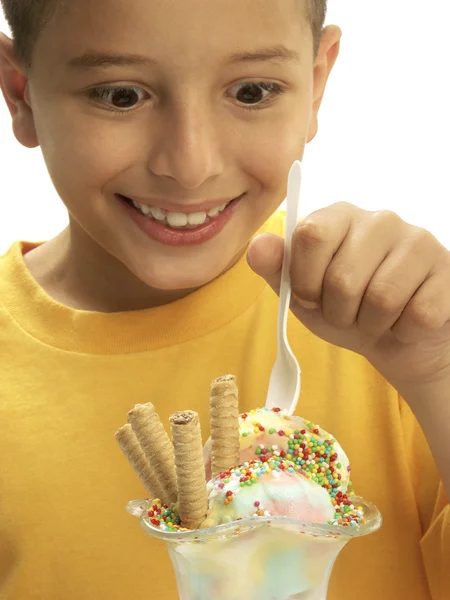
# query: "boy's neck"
(75, 271)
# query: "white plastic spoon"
(284, 384)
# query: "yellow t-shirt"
(67, 380)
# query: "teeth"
(145, 209)
(158, 213)
(214, 211)
(177, 219)
(197, 218)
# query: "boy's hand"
(371, 283)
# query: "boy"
(168, 129)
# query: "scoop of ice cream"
(272, 488)
(273, 432)
(289, 467)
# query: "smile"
(180, 228)
(178, 220)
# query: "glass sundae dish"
(272, 519)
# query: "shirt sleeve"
(432, 506)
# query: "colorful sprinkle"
(165, 517)
(310, 452)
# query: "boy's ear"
(13, 83)
(326, 58)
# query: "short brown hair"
(317, 12)
(27, 18)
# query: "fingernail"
(306, 304)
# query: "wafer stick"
(190, 468)
(157, 448)
(131, 448)
(224, 415)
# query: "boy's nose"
(188, 146)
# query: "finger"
(315, 241)
(360, 255)
(394, 284)
(427, 312)
(265, 256)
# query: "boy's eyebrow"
(277, 53)
(100, 60)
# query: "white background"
(384, 130)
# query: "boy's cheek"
(272, 163)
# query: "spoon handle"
(292, 217)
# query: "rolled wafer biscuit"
(131, 447)
(157, 448)
(224, 415)
(190, 468)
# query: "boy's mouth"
(179, 228)
(177, 220)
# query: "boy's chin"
(172, 278)
(169, 269)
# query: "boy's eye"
(119, 98)
(255, 94)
(124, 99)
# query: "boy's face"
(211, 111)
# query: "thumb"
(265, 257)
